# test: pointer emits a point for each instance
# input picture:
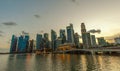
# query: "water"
(59, 62)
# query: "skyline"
(34, 16)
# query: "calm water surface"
(59, 62)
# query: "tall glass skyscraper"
(101, 41)
(62, 35)
(13, 44)
(93, 41)
(31, 46)
(86, 39)
(53, 39)
(58, 41)
(26, 39)
(70, 34)
(20, 43)
(23, 43)
(46, 36)
(39, 41)
(46, 40)
(77, 43)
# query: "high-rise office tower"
(93, 41)
(53, 39)
(70, 34)
(58, 41)
(46, 40)
(13, 44)
(26, 42)
(62, 35)
(85, 37)
(117, 40)
(77, 43)
(101, 41)
(20, 43)
(46, 36)
(39, 41)
(83, 28)
(23, 43)
(31, 46)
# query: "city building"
(93, 41)
(101, 41)
(31, 46)
(26, 42)
(23, 43)
(39, 41)
(13, 46)
(66, 46)
(53, 39)
(83, 28)
(117, 40)
(77, 42)
(46, 36)
(46, 40)
(70, 34)
(62, 35)
(20, 43)
(86, 39)
(58, 41)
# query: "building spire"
(83, 29)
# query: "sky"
(34, 16)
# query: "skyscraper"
(53, 39)
(93, 41)
(62, 35)
(13, 44)
(58, 41)
(23, 43)
(26, 42)
(46, 36)
(85, 37)
(20, 43)
(83, 28)
(31, 46)
(77, 43)
(101, 41)
(70, 34)
(117, 40)
(46, 40)
(39, 41)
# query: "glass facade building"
(13, 46)
(39, 41)
(53, 39)
(93, 41)
(77, 42)
(62, 35)
(23, 43)
(101, 41)
(70, 34)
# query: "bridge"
(92, 50)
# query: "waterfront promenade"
(93, 50)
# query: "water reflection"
(60, 62)
(16, 63)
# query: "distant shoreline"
(113, 54)
(11, 53)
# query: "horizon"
(35, 16)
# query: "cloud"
(73, 0)
(94, 31)
(1, 32)
(25, 33)
(1, 35)
(9, 23)
(37, 16)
